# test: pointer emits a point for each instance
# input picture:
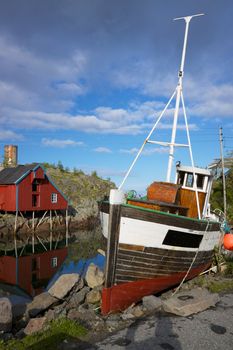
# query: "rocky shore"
(78, 299)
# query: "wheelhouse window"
(200, 181)
(189, 180)
(181, 178)
(54, 198)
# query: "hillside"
(78, 186)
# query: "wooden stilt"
(24, 246)
(41, 243)
(67, 228)
(57, 241)
(41, 220)
(51, 229)
(33, 232)
(15, 230)
(25, 220)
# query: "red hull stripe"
(119, 297)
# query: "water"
(38, 275)
(79, 267)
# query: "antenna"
(188, 18)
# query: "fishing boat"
(167, 237)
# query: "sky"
(83, 82)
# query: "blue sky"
(83, 81)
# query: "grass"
(215, 284)
(49, 339)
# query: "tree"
(60, 166)
(216, 199)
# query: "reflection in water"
(31, 272)
(79, 267)
(35, 273)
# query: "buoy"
(228, 241)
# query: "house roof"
(10, 176)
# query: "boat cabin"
(181, 197)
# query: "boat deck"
(161, 206)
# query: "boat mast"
(178, 94)
(179, 97)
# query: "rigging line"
(195, 256)
(149, 135)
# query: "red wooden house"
(28, 188)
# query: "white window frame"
(53, 197)
(54, 262)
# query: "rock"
(20, 324)
(35, 325)
(77, 298)
(40, 303)
(190, 302)
(50, 315)
(128, 314)
(93, 297)
(151, 303)
(94, 276)
(5, 315)
(20, 334)
(7, 336)
(138, 311)
(101, 251)
(63, 285)
(85, 315)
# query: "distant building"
(28, 188)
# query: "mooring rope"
(195, 256)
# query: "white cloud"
(60, 143)
(102, 150)
(10, 135)
(146, 151)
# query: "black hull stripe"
(162, 218)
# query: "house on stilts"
(27, 192)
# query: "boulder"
(138, 311)
(5, 315)
(77, 298)
(35, 325)
(40, 303)
(151, 303)
(63, 285)
(93, 297)
(94, 276)
(190, 302)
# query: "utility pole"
(223, 175)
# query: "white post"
(67, 228)
(50, 229)
(33, 232)
(223, 175)
(191, 157)
(15, 232)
